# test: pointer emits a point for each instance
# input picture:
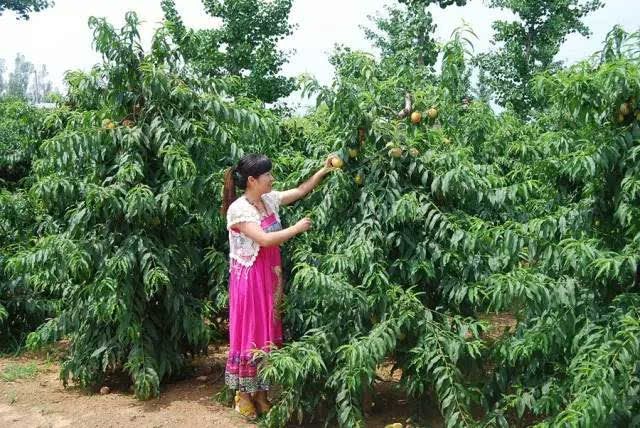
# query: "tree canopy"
(529, 44)
(24, 8)
(244, 47)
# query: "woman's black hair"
(251, 165)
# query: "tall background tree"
(41, 86)
(244, 47)
(23, 8)
(407, 31)
(27, 81)
(529, 44)
(19, 78)
(3, 69)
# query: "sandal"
(245, 407)
(263, 406)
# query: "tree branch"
(407, 106)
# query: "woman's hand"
(328, 166)
(303, 225)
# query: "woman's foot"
(261, 402)
(244, 405)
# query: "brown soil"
(499, 325)
(42, 401)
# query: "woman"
(255, 280)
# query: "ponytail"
(229, 190)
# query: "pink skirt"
(254, 318)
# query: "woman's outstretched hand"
(328, 166)
(303, 225)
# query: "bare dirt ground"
(41, 401)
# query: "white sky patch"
(60, 37)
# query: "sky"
(60, 37)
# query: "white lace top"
(242, 248)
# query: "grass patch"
(19, 371)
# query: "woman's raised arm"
(290, 196)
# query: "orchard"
(440, 209)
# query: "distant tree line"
(27, 81)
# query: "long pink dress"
(254, 318)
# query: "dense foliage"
(127, 187)
(435, 220)
(22, 306)
(474, 213)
